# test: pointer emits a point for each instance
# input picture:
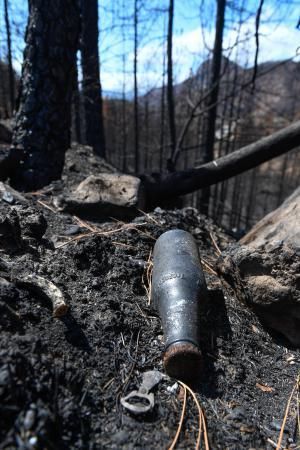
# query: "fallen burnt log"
(264, 270)
(121, 196)
(164, 187)
(159, 188)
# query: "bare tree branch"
(239, 161)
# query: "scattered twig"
(84, 224)
(172, 446)
(134, 227)
(48, 289)
(201, 419)
(109, 382)
(148, 275)
(47, 206)
(10, 310)
(278, 447)
(208, 267)
(215, 243)
(264, 388)
(95, 231)
(133, 363)
(149, 217)
(77, 238)
(121, 244)
(142, 313)
(272, 443)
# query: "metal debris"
(150, 380)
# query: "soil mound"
(62, 379)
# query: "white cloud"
(276, 42)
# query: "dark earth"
(61, 379)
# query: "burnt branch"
(239, 161)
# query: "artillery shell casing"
(178, 291)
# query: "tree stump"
(264, 270)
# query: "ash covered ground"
(61, 379)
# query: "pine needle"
(85, 224)
(96, 231)
(45, 205)
(208, 268)
(174, 442)
(149, 217)
(215, 243)
(278, 447)
(147, 277)
(201, 419)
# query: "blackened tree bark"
(76, 107)
(170, 91)
(42, 132)
(91, 86)
(9, 59)
(136, 105)
(209, 138)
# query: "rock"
(121, 190)
(10, 195)
(71, 230)
(264, 270)
(281, 225)
(105, 194)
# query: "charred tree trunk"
(76, 106)
(91, 86)
(124, 101)
(212, 101)
(170, 93)
(136, 106)
(43, 121)
(162, 112)
(11, 74)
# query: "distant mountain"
(275, 100)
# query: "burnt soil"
(61, 379)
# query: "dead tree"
(11, 74)
(162, 108)
(91, 86)
(212, 101)
(42, 132)
(124, 132)
(76, 107)
(170, 91)
(136, 105)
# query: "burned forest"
(149, 225)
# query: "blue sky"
(193, 37)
